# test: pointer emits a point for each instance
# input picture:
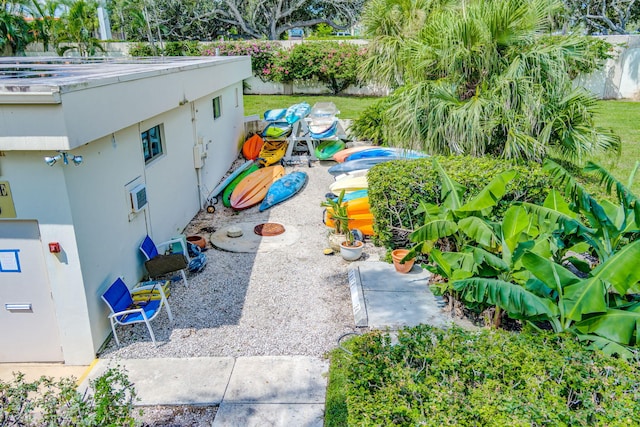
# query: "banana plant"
(463, 221)
(606, 226)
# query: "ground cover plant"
(47, 402)
(432, 377)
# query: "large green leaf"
(452, 191)
(478, 230)
(550, 273)
(491, 194)
(617, 325)
(482, 256)
(508, 296)
(621, 270)
(555, 201)
(585, 297)
(433, 230)
(516, 220)
(608, 347)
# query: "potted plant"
(403, 260)
(350, 249)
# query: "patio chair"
(126, 311)
(158, 264)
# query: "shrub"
(434, 377)
(263, 54)
(182, 48)
(141, 49)
(107, 402)
(396, 187)
(369, 126)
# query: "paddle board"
(349, 185)
(360, 164)
(251, 190)
(228, 179)
(326, 149)
(284, 188)
(341, 155)
(226, 194)
(352, 174)
(385, 152)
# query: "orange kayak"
(362, 222)
(341, 155)
(252, 146)
(356, 206)
(251, 190)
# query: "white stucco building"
(172, 125)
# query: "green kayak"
(326, 149)
(226, 194)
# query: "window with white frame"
(152, 143)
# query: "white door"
(28, 325)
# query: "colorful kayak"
(275, 114)
(284, 188)
(277, 131)
(362, 222)
(252, 146)
(354, 195)
(323, 128)
(326, 149)
(386, 152)
(349, 185)
(230, 178)
(355, 207)
(297, 112)
(226, 194)
(251, 190)
(354, 165)
(272, 152)
(341, 155)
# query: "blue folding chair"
(126, 311)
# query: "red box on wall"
(54, 247)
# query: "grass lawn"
(624, 118)
(350, 106)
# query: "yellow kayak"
(272, 152)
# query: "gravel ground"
(293, 300)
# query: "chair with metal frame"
(126, 311)
(159, 264)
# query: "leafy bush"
(369, 126)
(142, 49)
(331, 63)
(397, 187)
(434, 377)
(182, 48)
(45, 402)
(263, 54)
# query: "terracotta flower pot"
(198, 241)
(397, 256)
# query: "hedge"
(396, 187)
(433, 377)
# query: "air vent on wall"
(138, 197)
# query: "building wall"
(86, 208)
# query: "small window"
(152, 143)
(217, 111)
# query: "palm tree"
(14, 30)
(482, 77)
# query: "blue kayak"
(283, 189)
(366, 163)
(386, 152)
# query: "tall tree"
(604, 16)
(271, 18)
(14, 30)
(482, 77)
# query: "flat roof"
(20, 75)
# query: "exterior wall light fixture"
(65, 157)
